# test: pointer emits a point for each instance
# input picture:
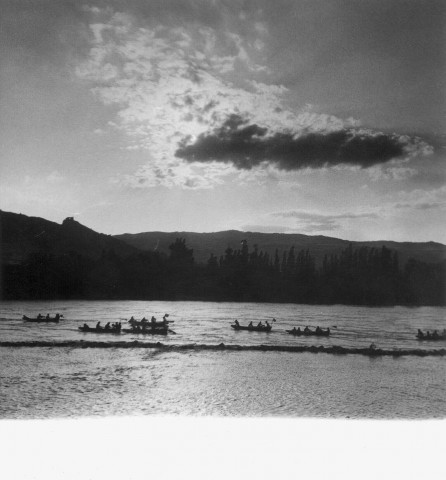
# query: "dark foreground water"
(50, 370)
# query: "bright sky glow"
(322, 118)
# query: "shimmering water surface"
(55, 381)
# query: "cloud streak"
(247, 145)
(317, 222)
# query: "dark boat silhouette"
(431, 337)
(263, 328)
(309, 333)
(42, 319)
(149, 331)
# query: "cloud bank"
(247, 145)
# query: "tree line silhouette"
(355, 276)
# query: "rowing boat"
(263, 328)
(41, 319)
(309, 333)
(432, 338)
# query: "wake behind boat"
(42, 319)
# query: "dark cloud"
(247, 145)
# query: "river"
(56, 371)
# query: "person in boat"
(57, 317)
(260, 324)
(165, 321)
(98, 326)
(294, 330)
(250, 325)
(428, 334)
(420, 334)
(236, 322)
(318, 330)
(267, 324)
(39, 316)
(86, 326)
(306, 329)
(298, 330)
(435, 334)
(107, 326)
(144, 323)
(47, 316)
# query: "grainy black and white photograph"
(223, 210)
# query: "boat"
(42, 319)
(149, 331)
(148, 323)
(86, 328)
(431, 337)
(309, 333)
(263, 328)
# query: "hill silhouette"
(205, 244)
(22, 235)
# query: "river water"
(54, 370)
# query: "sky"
(313, 117)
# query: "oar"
(171, 331)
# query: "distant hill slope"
(21, 235)
(204, 244)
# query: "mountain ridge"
(216, 243)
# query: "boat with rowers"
(42, 319)
(152, 323)
(149, 330)
(159, 328)
(115, 328)
(319, 332)
(253, 328)
(435, 336)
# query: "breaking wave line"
(338, 350)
